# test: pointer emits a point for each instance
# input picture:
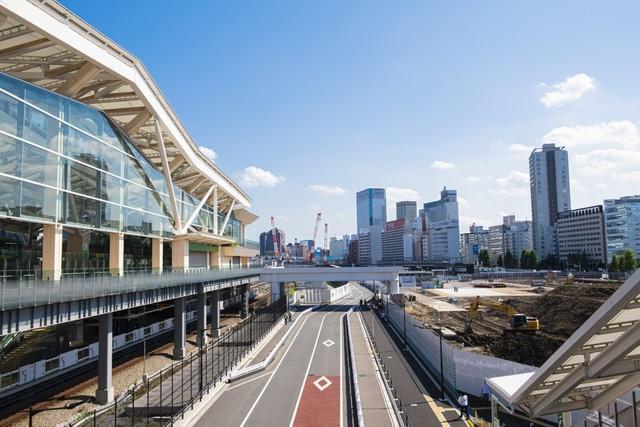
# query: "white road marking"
(248, 381)
(304, 378)
(322, 383)
(327, 343)
(273, 374)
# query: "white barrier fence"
(463, 370)
(325, 295)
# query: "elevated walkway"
(34, 303)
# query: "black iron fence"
(164, 397)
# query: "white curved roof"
(46, 44)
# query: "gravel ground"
(81, 396)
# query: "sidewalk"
(375, 408)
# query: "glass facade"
(63, 161)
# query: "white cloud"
(395, 195)
(441, 165)
(253, 176)
(610, 163)
(514, 179)
(520, 148)
(570, 89)
(620, 133)
(462, 201)
(327, 189)
(212, 155)
(472, 179)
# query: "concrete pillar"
(156, 255)
(215, 313)
(201, 313)
(180, 255)
(394, 286)
(51, 252)
(244, 302)
(277, 291)
(179, 329)
(104, 393)
(116, 254)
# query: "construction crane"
(276, 244)
(518, 321)
(315, 235)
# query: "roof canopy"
(46, 44)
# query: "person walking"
(463, 402)
(484, 391)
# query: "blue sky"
(307, 102)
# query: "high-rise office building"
(442, 240)
(371, 208)
(550, 195)
(622, 223)
(472, 243)
(407, 210)
(267, 247)
(582, 231)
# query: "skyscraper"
(371, 207)
(443, 230)
(407, 210)
(622, 222)
(550, 194)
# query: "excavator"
(518, 321)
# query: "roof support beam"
(623, 385)
(215, 210)
(84, 75)
(196, 183)
(137, 121)
(197, 210)
(167, 175)
(176, 163)
(226, 218)
(616, 351)
(569, 382)
(27, 47)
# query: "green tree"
(532, 259)
(499, 262)
(584, 261)
(630, 261)
(615, 266)
(483, 258)
(508, 259)
(524, 261)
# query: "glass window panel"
(155, 203)
(111, 188)
(47, 101)
(83, 179)
(12, 85)
(111, 135)
(9, 112)
(134, 220)
(39, 165)
(9, 149)
(40, 128)
(82, 210)
(111, 216)
(135, 196)
(85, 118)
(111, 160)
(9, 189)
(133, 171)
(80, 146)
(38, 201)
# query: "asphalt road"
(302, 387)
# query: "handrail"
(354, 372)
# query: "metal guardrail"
(351, 365)
(30, 288)
(182, 384)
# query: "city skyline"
(469, 123)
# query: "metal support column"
(104, 393)
(244, 310)
(215, 314)
(201, 313)
(179, 329)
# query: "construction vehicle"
(517, 321)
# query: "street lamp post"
(404, 320)
(200, 371)
(442, 397)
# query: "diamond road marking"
(328, 343)
(322, 383)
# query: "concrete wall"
(325, 295)
(463, 370)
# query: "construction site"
(512, 320)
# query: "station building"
(97, 172)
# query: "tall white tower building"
(550, 194)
